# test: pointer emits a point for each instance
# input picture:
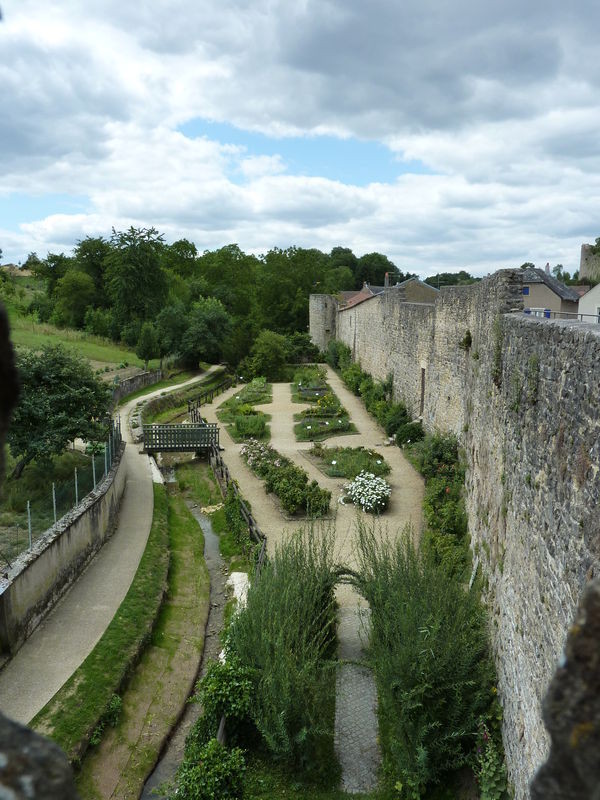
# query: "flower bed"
(325, 418)
(308, 384)
(369, 492)
(239, 416)
(289, 482)
(348, 462)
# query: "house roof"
(414, 280)
(535, 275)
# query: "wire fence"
(25, 520)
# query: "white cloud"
(500, 100)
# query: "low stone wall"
(134, 384)
(39, 577)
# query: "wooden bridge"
(181, 438)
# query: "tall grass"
(429, 650)
(286, 637)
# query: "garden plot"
(239, 415)
(325, 418)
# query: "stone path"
(356, 720)
(71, 630)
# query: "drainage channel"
(173, 751)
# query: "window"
(526, 290)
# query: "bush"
(369, 492)
(338, 355)
(218, 773)
(286, 636)
(251, 426)
(409, 432)
(430, 656)
(301, 348)
(353, 377)
(396, 416)
(236, 524)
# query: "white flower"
(334, 462)
(326, 423)
(379, 461)
(308, 427)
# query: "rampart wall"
(523, 397)
(38, 578)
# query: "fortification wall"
(589, 263)
(38, 578)
(322, 312)
(523, 399)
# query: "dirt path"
(356, 697)
(71, 630)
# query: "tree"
(61, 400)
(269, 355)
(134, 279)
(461, 278)
(372, 268)
(208, 325)
(74, 292)
(90, 257)
(147, 345)
(171, 324)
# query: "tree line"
(170, 300)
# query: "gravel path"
(63, 640)
(356, 720)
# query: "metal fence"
(575, 316)
(23, 521)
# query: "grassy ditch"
(277, 688)
(78, 707)
(239, 415)
(165, 674)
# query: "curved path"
(68, 634)
(356, 697)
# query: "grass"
(196, 482)
(70, 717)
(27, 333)
(348, 462)
(35, 485)
(173, 404)
(166, 383)
(162, 678)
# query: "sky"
(446, 134)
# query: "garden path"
(356, 698)
(63, 640)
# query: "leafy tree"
(208, 326)
(171, 324)
(147, 345)
(61, 400)
(269, 355)
(90, 257)
(180, 257)
(74, 292)
(134, 279)
(372, 268)
(461, 278)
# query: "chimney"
(547, 268)
(386, 280)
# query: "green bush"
(286, 637)
(396, 416)
(430, 656)
(409, 432)
(218, 773)
(236, 524)
(338, 355)
(353, 376)
(251, 425)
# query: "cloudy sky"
(446, 134)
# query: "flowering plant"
(369, 492)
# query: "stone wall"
(323, 312)
(589, 263)
(38, 578)
(134, 384)
(523, 399)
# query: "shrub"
(251, 426)
(395, 418)
(218, 773)
(301, 348)
(285, 636)
(430, 656)
(409, 432)
(369, 492)
(353, 377)
(338, 355)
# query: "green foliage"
(353, 376)
(533, 379)
(489, 766)
(338, 355)
(236, 523)
(301, 348)
(348, 462)
(251, 426)
(394, 418)
(270, 355)
(285, 636)
(217, 774)
(225, 690)
(74, 292)
(147, 343)
(429, 652)
(409, 432)
(61, 399)
(208, 325)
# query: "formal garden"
(241, 417)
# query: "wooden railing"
(180, 438)
(225, 480)
(206, 397)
